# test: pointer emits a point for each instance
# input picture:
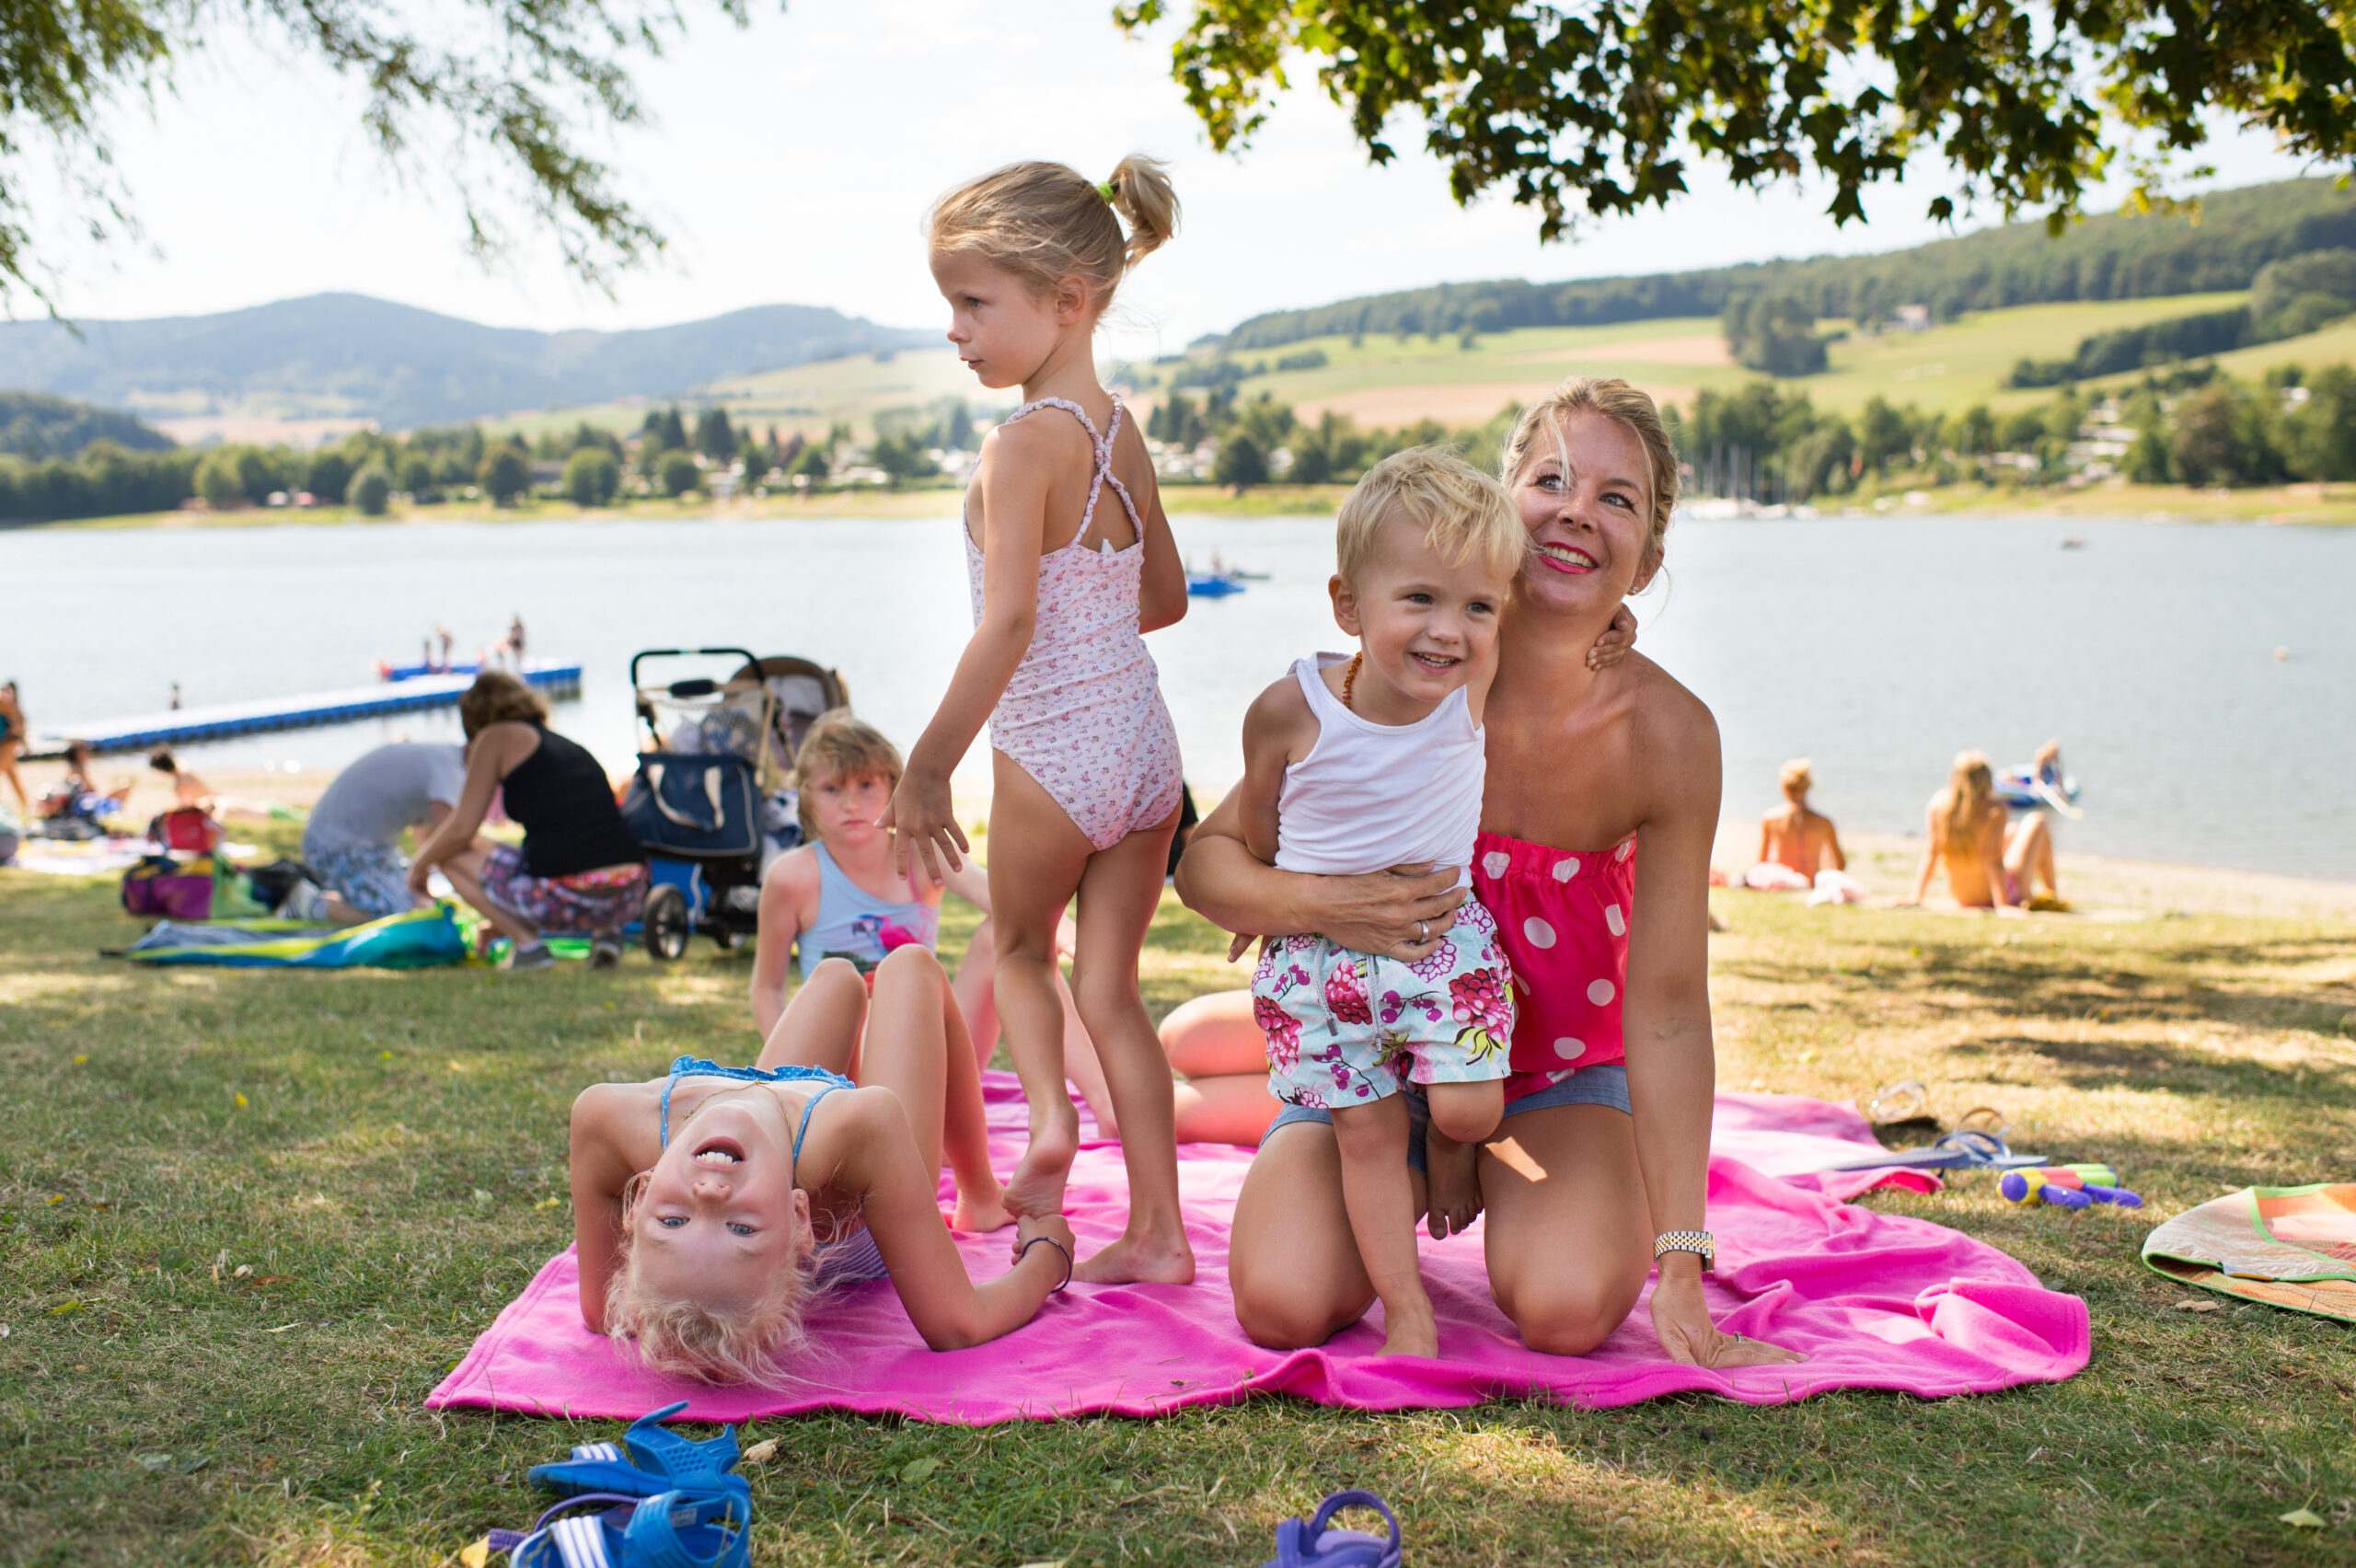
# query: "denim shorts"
(1603, 1084)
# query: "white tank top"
(1369, 796)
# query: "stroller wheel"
(665, 921)
(728, 938)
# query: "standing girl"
(1070, 560)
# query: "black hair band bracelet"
(1024, 1250)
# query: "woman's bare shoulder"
(1671, 723)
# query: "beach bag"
(189, 829)
(176, 891)
(694, 806)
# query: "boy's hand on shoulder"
(1618, 639)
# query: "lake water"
(1877, 647)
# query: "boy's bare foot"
(1135, 1259)
(983, 1214)
(1409, 1331)
(1451, 1184)
(1037, 1186)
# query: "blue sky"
(792, 162)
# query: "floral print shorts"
(1347, 1028)
(601, 902)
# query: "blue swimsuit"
(846, 1258)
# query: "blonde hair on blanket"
(707, 1341)
(1462, 511)
(1045, 223)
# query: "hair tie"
(1106, 191)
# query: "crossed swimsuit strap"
(1104, 444)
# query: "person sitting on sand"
(1795, 845)
(12, 741)
(187, 789)
(581, 869)
(840, 895)
(711, 1204)
(1988, 867)
(77, 795)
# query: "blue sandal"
(670, 1530)
(1313, 1545)
(648, 1461)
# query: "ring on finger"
(1423, 930)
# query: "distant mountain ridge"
(2110, 256)
(350, 354)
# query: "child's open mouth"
(1441, 662)
(720, 1151)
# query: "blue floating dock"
(186, 725)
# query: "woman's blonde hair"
(1044, 223)
(690, 1338)
(498, 698)
(1963, 805)
(1463, 512)
(1615, 399)
(1796, 778)
(841, 746)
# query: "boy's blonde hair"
(1044, 223)
(841, 746)
(1537, 430)
(690, 1338)
(1463, 512)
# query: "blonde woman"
(1988, 867)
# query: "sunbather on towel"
(709, 1204)
(1989, 865)
(1795, 843)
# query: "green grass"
(224, 1312)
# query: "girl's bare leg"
(977, 999)
(2028, 855)
(917, 1047)
(1295, 1266)
(8, 766)
(1118, 893)
(1217, 1048)
(1037, 859)
(819, 1028)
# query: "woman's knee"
(1566, 1315)
(1285, 1312)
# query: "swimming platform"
(300, 711)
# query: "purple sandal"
(1314, 1545)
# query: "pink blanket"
(1873, 1300)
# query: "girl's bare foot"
(1451, 1184)
(981, 1214)
(1139, 1259)
(1036, 1188)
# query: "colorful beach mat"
(1875, 1301)
(2292, 1247)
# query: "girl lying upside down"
(712, 1203)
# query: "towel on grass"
(1874, 1300)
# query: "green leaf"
(2302, 1519)
(917, 1469)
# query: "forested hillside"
(2114, 257)
(35, 425)
(348, 355)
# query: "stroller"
(709, 804)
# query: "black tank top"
(570, 822)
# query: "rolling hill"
(347, 356)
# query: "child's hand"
(923, 822)
(1617, 638)
(1053, 1227)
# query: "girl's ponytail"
(1142, 195)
